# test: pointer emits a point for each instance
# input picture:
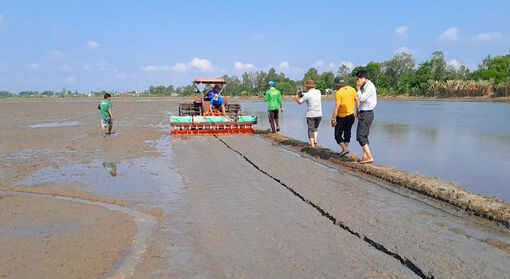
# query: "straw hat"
(309, 83)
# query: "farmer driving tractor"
(214, 91)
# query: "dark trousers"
(343, 128)
(364, 122)
(313, 124)
(273, 118)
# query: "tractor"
(194, 117)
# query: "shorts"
(105, 122)
(313, 124)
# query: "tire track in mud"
(404, 261)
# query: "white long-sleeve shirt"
(367, 96)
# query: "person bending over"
(217, 103)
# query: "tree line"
(400, 75)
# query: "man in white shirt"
(314, 114)
(367, 97)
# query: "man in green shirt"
(105, 106)
(273, 97)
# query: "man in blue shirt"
(214, 91)
(217, 103)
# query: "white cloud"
(451, 34)
(331, 66)
(489, 36)
(33, 66)
(93, 45)
(319, 63)
(201, 64)
(65, 68)
(284, 65)
(404, 49)
(72, 79)
(454, 63)
(241, 66)
(401, 31)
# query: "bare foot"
(366, 161)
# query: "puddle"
(145, 183)
(111, 168)
(54, 124)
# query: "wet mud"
(400, 224)
(486, 207)
(60, 239)
(155, 206)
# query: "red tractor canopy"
(209, 81)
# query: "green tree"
(343, 71)
(496, 68)
(322, 86)
(401, 66)
(439, 68)
(374, 72)
(287, 87)
(329, 78)
(5, 94)
(312, 74)
(272, 76)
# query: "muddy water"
(463, 142)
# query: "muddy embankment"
(486, 207)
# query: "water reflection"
(111, 168)
(463, 142)
(428, 134)
(395, 132)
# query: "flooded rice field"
(144, 204)
(467, 143)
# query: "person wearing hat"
(314, 114)
(217, 103)
(273, 97)
(215, 91)
(343, 115)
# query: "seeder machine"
(194, 118)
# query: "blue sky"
(123, 45)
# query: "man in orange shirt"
(343, 115)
